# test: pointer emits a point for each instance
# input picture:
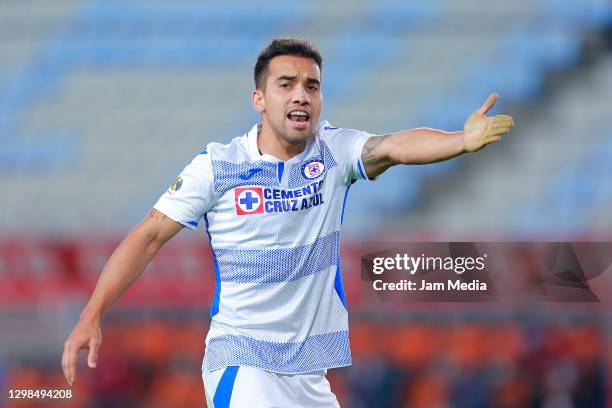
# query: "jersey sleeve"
(347, 146)
(190, 195)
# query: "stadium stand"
(103, 102)
(104, 76)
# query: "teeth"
(298, 113)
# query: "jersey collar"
(254, 150)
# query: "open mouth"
(298, 118)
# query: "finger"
(502, 123)
(92, 358)
(505, 117)
(492, 139)
(71, 364)
(488, 104)
(498, 130)
(65, 363)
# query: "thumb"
(488, 104)
(92, 358)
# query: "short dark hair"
(283, 46)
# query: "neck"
(268, 142)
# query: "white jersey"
(274, 228)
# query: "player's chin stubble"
(299, 138)
(296, 137)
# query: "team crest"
(312, 169)
(249, 200)
(176, 184)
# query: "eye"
(313, 87)
(284, 85)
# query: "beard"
(292, 136)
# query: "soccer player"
(272, 201)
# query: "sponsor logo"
(312, 169)
(176, 184)
(330, 128)
(259, 200)
(251, 173)
(249, 200)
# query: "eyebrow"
(293, 78)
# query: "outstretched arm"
(424, 145)
(122, 269)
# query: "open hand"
(481, 130)
(85, 335)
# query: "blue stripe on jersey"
(361, 170)
(194, 223)
(281, 168)
(223, 393)
(214, 308)
(328, 158)
(344, 203)
(339, 287)
(296, 178)
(315, 353)
(278, 265)
(227, 175)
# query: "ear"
(258, 101)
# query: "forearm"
(424, 145)
(122, 269)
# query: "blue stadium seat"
(400, 16)
(40, 156)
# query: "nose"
(300, 96)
